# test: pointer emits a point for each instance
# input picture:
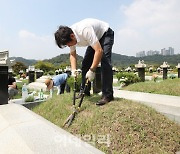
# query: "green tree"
(45, 66)
(63, 65)
(18, 66)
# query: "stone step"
(23, 131)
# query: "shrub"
(130, 77)
(29, 99)
(51, 73)
(172, 76)
(70, 82)
(46, 73)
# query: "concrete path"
(24, 132)
(166, 104)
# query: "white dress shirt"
(88, 32)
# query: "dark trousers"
(106, 42)
(63, 87)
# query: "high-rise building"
(169, 51)
(141, 54)
(151, 52)
(164, 51)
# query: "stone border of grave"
(23, 131)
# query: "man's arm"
(97, 55)
(73, 60)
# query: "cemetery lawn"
(121, 126)
(166, 87)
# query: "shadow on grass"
(96, 98)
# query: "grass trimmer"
(69, 120)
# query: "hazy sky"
(27, 27)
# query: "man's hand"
(74, 73)
(90, 75)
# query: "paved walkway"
(166, 104)
(24, 132)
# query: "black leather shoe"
(104, 100)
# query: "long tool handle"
(86, 85)
(71, 119)
(75, 86)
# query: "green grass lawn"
(121, 126)
(167, 87)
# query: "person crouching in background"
(60, 81)
(12, 87)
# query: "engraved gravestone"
(141, 69)
(4, 77)
(164, 66)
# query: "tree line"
(118, 60)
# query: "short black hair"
(62, 36)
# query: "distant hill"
(117, 60)
(26, 62)
(63, 58)
(159, 59)
(123, 61)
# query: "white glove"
(90, 75)
(74, 73)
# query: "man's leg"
(67, 87)
(62, 87)
(107, 77)
(106, 68)
(86, 64)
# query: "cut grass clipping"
(120, 126)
